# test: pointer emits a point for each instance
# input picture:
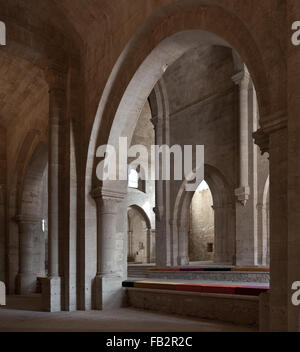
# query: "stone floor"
(121, 320)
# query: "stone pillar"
(242, 79)
(280, 291)
(262, 220)
(273, 138)
(51, 287)
(221, 235)
(152, 249)
(224, 249)
(108, 292)
(130, 255)
(183, 243)
(163, 250)
(149, 245)
(26, 278)
(246, 211)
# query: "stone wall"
(137, 235)
(203, 103)
(201, 235)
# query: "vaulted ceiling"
(23, 90)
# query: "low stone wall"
(2, 294)
(230, 276)
(242, 310)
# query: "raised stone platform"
(210, 274)
(237, 309)
(218, 276)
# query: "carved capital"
(242, 78)
(107, 200)
(262, 140)
(269, 125)
(158, 211)
(108, 194)
(242, 194)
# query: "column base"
(108, 293)
(51, 294)
(184, 260)
(26, 283)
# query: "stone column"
(26, 278)
(51, 287)
(183, 243)
(152, 249)
(149, 244)
(262, 220)
(221, 234)
(163, 250)
(242, 79)
(272, 138)
(224, 249)
(108, 281)
(130, 254)
(246, 211)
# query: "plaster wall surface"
(201, 235)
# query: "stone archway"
(223, 204)
(140, 245)
(201, 226)
(156, 45)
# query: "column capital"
(262, 140)
(159, 212)
(242, 194)
(108, 194)
(242, 77)
(270, 124)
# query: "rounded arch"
(164, 37)
(140, 239)
(31, 236)
(142, 212)
(26, 150)
(224, 217)
(159, 42)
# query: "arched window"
(133, 179)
